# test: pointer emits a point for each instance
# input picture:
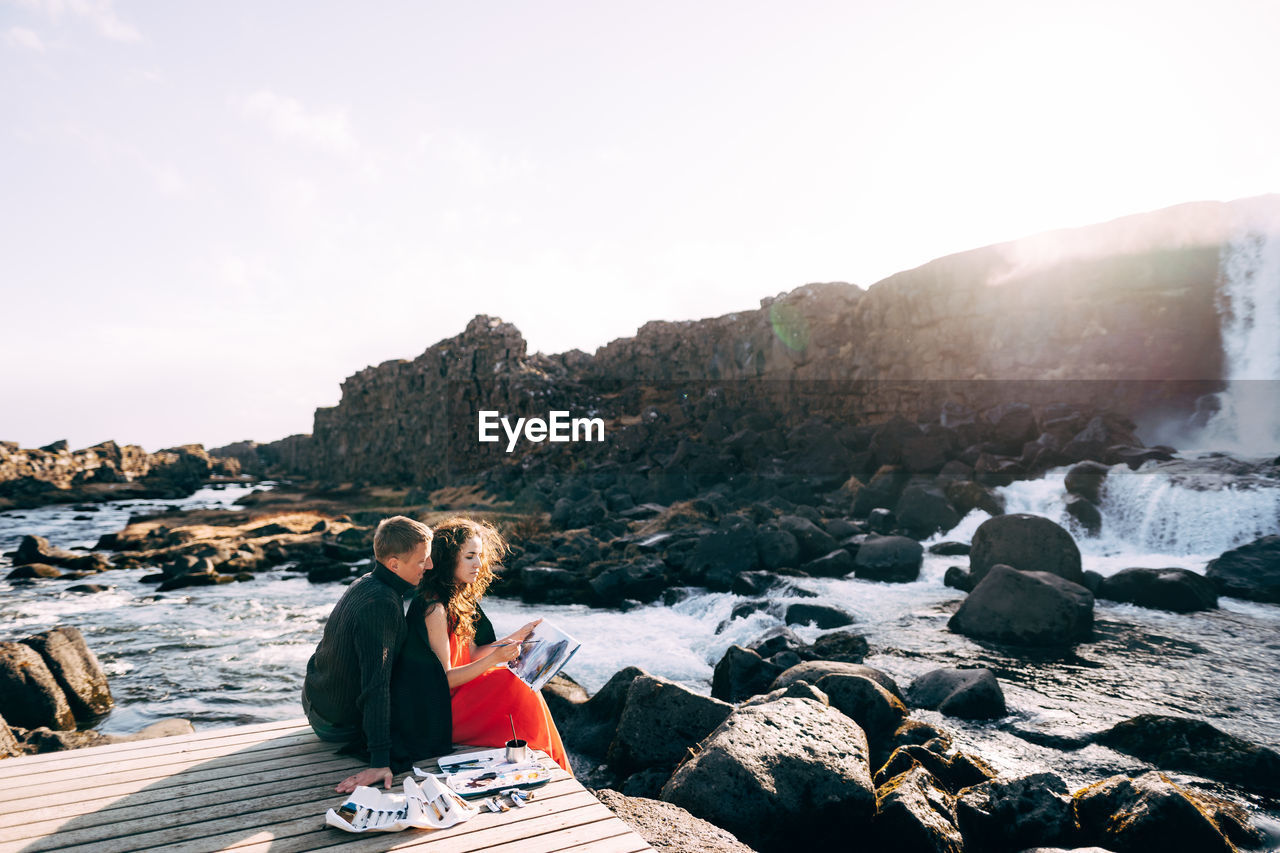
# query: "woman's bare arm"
(438, 636)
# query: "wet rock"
(669, 828)
(795, 690)
(192, 580)
(882, 492)
(1086, 480)
(950, 549)
(914, 815)
(742, 673)
(31, 571)
(29, 694)
(819, 615)
(1026, 542)
(843, 646)
(1026, 608)
(8, 743)
(1251, 571)
(719, 556)
(660, 721)
(1194, 746)
(864, 701)
(972, 694)
(549, 584)
(76, 669)
(889, 558)
(1174, 589)
(837, 564)
(1151, 812)
(1086, 514)
(800, 763)
(1013, 814)
(754, 583)
(777, 639)
(587, 726)
(777, 549)
(923, 511)
(917, 733)
(813, 540)
(642, 580)
(958, 577)
(880, 521)
(953, 774)
(814, 671)
(968, 495)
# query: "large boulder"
(741, 674)
(587, 726)
(1013, 814)
(781, 775)
(1027, 542)
(877, 711)
(1086, 480)
(915, 815)
(669, 828)
(1025, 608)
(721, 555)
(777, 549)
(838, 646)
(972, 694)
(29, 694)
(1251, 571)
(8, 743)
(836, 564)
(660, 721)
(924, 510)
(813, 540)
(643, 579)
(1151, 812)
(1194, 746)
(889, 558)
(819, 615)
(76, 669)
(36, 549)
(815, 670)
(1178, 590)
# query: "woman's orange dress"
(480, 709)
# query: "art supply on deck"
(419, 806)
(517, 750)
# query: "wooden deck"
(257, 788)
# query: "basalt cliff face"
(1123, 316)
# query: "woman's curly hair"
(438, 584)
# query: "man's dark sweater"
(348, 679)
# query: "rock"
(29, 694)
(839, 646)
(958, 577)
(813, 540)
(1086, 514)
(1194, 746)
(642, 580)
(660, 721)
(754, 583)
(1152, 813)
(328, 571)
(925, 453)
(914, 815)
(923, 511)
(1178, 590)
(950, 549)
(837, 564)
(669, 828)
(646, 783)
(1086, 480)
(819, 615)
(1027, 542)
(588, 727)
(8, 743)
(76, 669)
(196, 579)
(719, 556)
(540, 584)
(862, 700)
(972, 694)
(31, 571)
(777, 549)
(780, 638)
(896, 559)
(1025, 608)
(917, 733)
(954, 774)
(968, 495)
(795, 690)
(36, 549)
(1251, 571)
(814, 671)
(880, 520)
(742, 673)
(800, 763)
(1012, 814)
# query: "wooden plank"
(17, 766)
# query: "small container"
(517, 751)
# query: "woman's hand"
(503, 651)
(521, 635)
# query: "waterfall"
(1247, 420)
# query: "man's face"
(414, 565)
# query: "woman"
(485, 696)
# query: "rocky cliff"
(1121, 316)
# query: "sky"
(212, 213)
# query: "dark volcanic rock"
(669, 828)
(813, 672)
(973, 694)
(1251, 571)
(820, 615)
(552, 584)
(813, 540)
(1179, 590)
(1086, 480)
(720, 555)
(31, 571)
(864, 701)
(1014, 814)
(1152, 813)
(837, 564)
(76, 669)
(29, 694)
(914, 815)
(660, 721)
(1027, 542)
(9, 746)
(954, 773)
(1086, 514)
(889, 558)
(958, 577)
(777, 548)
(839, 646)
(1194, 746)
(741, 673)
(923, 511)
(1028, 608)
(587, 727)
(802, 764)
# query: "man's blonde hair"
(397, 536)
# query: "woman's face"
(469, 557)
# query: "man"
(347, 692)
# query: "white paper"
(424, 805)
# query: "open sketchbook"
(485, 771)
(543, 654)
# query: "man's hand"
(366, 777)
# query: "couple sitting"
(403, 686)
